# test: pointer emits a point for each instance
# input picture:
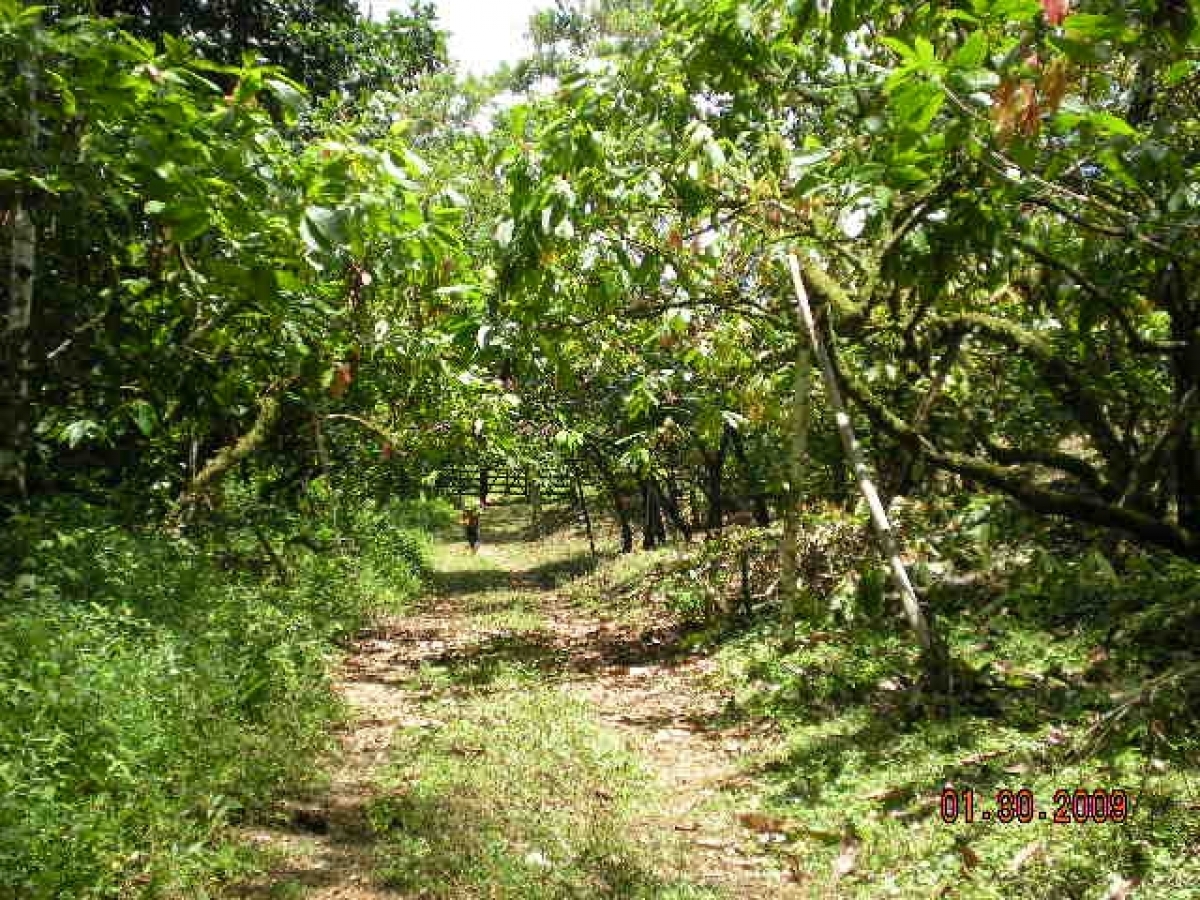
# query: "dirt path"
(506, 606)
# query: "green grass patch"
(521, 795)
(516, 617)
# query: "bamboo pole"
(935, 660)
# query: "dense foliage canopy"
(257, 256)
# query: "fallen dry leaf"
(976, 758)
(895, 793)
(763, 824)
(796, 874)
(969, 857)
(1025, 854)
(1119, 887)
(847, 859)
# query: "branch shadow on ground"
(483, 579)
(547, 655)
(347, 844)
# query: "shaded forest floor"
(537, 727)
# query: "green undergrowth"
(515, 792)
(1105, 704)
(156, 691)
(1077, 668)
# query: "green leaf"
(78, 432)
(1102, 122)
(457, 290)
(290, 98)
(144, 416)
(972, 53)
(187, 222)
(1088, 27)
(327, 226)
(925, 53)
(900, 48)
(916, 102)
(1181, 71)
(1015, 10)
(415, 163)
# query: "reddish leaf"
(1031, 114)
(343, 375)
(1054, 86)
(1056, 10)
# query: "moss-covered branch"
(1062, 374)
(1017, 482)
(214, 471)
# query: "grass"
(520, 795)
(859, 764)
(520, 791)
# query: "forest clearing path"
(499, 611)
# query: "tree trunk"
(18, 340)
(626, 526)
(534, 496)
(675, 496)
(618, 499)
(797, 461)
(1185, 328)
(935, 657)
(19, 335)
(762, 514)
(654, 532)
(648, 530)
(714, 466)
(693, 505)
(902, 476)
(674, 515)
(581, 499)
